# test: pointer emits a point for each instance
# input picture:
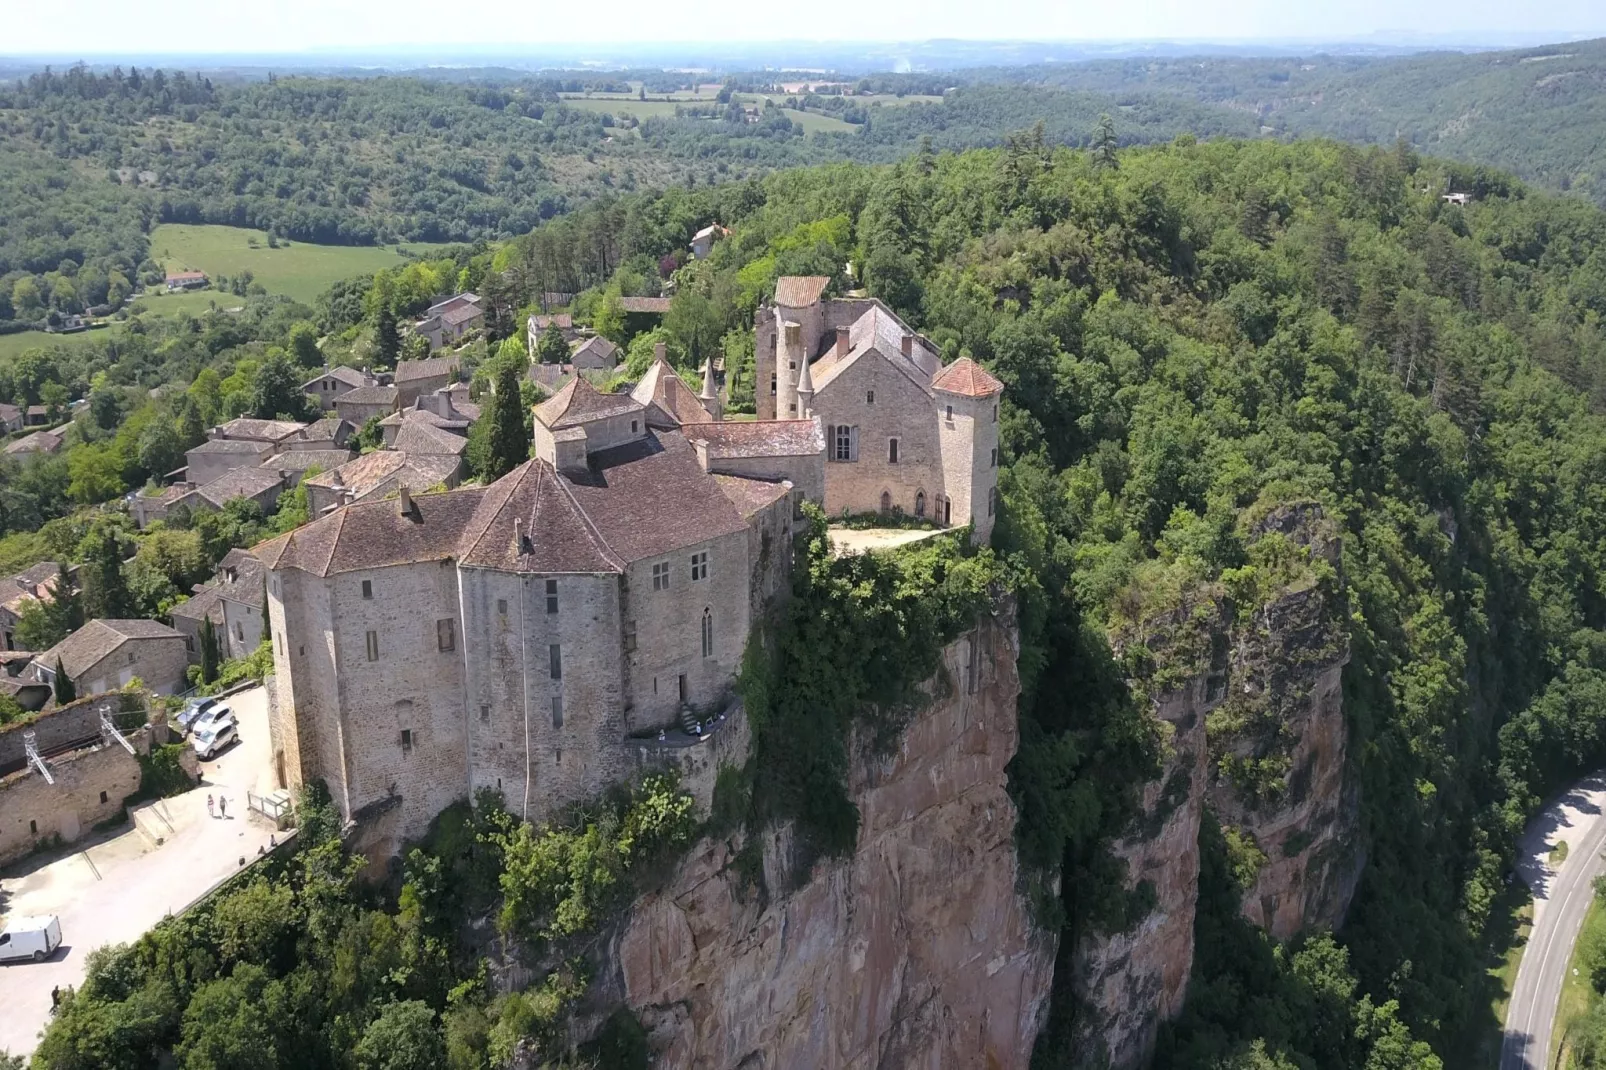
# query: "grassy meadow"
(298, 269)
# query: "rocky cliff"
(915, 951)
(1249, 692)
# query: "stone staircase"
(154, 821)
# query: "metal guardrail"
(275, 807)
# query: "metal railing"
(275, 807)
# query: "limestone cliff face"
(1255, 733)
(916, 951)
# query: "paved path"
(112, 889)
(1561, 898)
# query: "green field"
(193, 302)
(298, 269)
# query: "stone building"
(518, 636)
(105, 655)
(37, 583)
(358, 406)
(234, 600)
(331, 383)
(903, 433)
(535, 635)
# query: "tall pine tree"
(106, 595)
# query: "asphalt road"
(1560, 902)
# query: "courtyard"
(111, 887)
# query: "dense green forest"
(1188, 334)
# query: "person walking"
(210, 812)
(222, 806)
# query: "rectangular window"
(869, 397)
(699, 566)
(892, 451)
(842, 448)
(367, 588)
(708, 634)
(239, 633)
(551, 596)
(501, 606)
(407, 739)
(630, 637)
(772, 384)
(557, 711)
(373, 646)
(660, 576)
(446, 635)
(485, 715)
(555, 660)
(950, 414)
(995, 457)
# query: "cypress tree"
(106, 595)
(388, 340)
(508, 446)
(209, 651)
(65, 691)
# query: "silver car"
(211, 739)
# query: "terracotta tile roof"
(81, 650)
(231, 445)
(662, 387)
(186, 276)
(878, 331)
(467, 410)
(368, 395)
(579, 403)
(561, 320)
(341, 374)
(301, 460)
(38, 442)
(964, 376)
(750, 495)
(419, 437)
(800, 291)
(456, 301)
(409, 370)
(34, 583)
(595, 348)
(651, 496)
(245, 482)
(460, 314)
(375, 534)
(558, 536)
(361, 474)
(658, 305)
(378, 473)
(256, 430)
(759, 438)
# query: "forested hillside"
(1539, 112)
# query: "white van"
(30, 938)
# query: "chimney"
(842, 340)
(404, 499)
(660, 351)
(908, 345)
(518, 535)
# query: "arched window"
(708, 633)
(886, 502)
(920, 504)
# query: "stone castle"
(548, 635)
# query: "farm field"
(298, 269)
(193, 302)
(620, 105)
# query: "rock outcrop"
(916, 951)
(1255, 733)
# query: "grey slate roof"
(580, 403)
(409, 370)
(729, 439)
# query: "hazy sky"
(118, 26)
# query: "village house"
(447, 322)
(541, 635)
(537, 325)
(38, 442)
(105, 655)
(325, 387)
(217, 457)
(11, 418)
(186, 280)
(595, 354)
(37, 583)
(903, 433)
(151, 504)
(702, 243)
(417, 377)
(234, 600)
(381, 474)
(364, 403)
(261, 485)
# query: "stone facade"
(903, 433)
(106, 655)
(530, 637)
(90, 786)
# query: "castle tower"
(710, 397)
(805, 390)
(786, 370)
(967, 400)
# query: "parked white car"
(211, 739)
(209, 718)
(30, 939)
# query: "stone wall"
(160, 662)
(969, 444)
(90, 786)
(901, 410)
(917, 950)
(724, 743)
(52, 729)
